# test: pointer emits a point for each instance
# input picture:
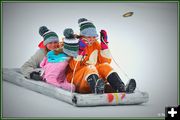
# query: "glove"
(36, 76)
(69, 33)
(103, 38)
(82, 46)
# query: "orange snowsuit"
(96, 61)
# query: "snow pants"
(55, 74)
(81, 75)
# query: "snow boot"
(99, 88)
(92, 82)
(116, 82)
(131, 86)
(96, 85)
(108, 88)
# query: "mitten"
(36, 76)
(103, 38)
(82, 46)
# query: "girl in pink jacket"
(55, 62)
(54, 67)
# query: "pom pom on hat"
(49, 36)
(82, 20)
(43, 30)
(71, 44)
(68, 33)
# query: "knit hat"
(87, 28)
(71, 44)
(49, 36)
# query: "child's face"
(61, 44)
(52, 45)
(89, 40)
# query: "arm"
(43, 62)
(76, 62)
(32, 64)
(104, 54)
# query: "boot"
(131, 86)
(108, 89)
(96, 85)
(116, 82)
(99, 88)
(92, 82)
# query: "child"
(55, 62)
(31, 68)
(92, 64)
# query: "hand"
(58, 50)
(61, 44)
(39, 70)
(103, 38)
(82, 46)
(36, 76)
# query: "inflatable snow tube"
(14, 76)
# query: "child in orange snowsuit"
(91, 69)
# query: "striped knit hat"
(49, 36)
(87, 28)
(71, 44)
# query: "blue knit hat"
(49, 36)
(87, 28)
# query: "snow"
(145, 45)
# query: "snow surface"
(145, 45)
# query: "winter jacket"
(33, 63)
(95, 61)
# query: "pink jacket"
(54, 73)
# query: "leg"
(67, 86)
(106, 72)
(52, 81)
(91, 80)
(85, 79)
(55, 73)
(108, 88)
(96, 84)
(116, 82)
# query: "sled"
(14, 76)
